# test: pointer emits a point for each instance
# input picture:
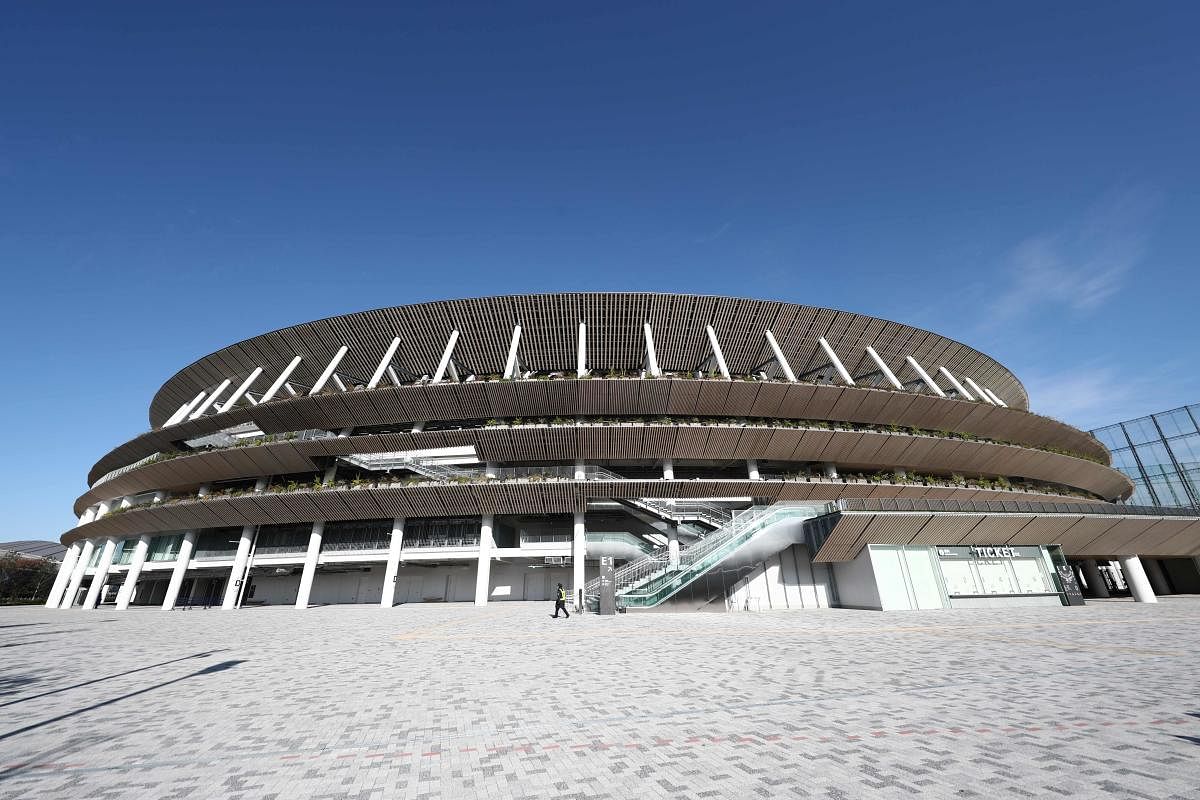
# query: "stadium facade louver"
(722, 452)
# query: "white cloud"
(1093, 395)
(1079, 267)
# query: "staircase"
(650, 580)
(421, 466)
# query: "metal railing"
(421, 466)
(1012, 507)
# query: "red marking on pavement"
(347, 755)
(661, 742)
(799, 738)
(983, 730)
(877, 734)
(853, 738)
(551, 746)
(466, 750)
(377, 755)
(775, 737)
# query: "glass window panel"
(1174, 423)
(1124, 461)
(959, 577)
(1112, 437)
(1031, 578)
(1186, 450)
(995, 577)
(1154, 457)
(1141, 430)
(1141, 495)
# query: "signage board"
(608, 587)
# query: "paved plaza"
(425, 701)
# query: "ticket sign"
(989, 551)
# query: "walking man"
(560, 602)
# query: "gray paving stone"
(433, 701)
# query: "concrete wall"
(856, 583)
(787, 579)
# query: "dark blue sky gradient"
(175, 177)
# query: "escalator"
(750, 536)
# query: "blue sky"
(175, 177)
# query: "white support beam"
(212, 398)
(995, 397)
(339, 383)
(979, 392)
(716, 348)
(291, 390)
(452, 368)
(510, 365)
(483, 573)
(651, 354)
(393, 377)
(182, 413)
(581, 352)
(281, 380)
(958, 387)
(923, 375)
(887, 373)
(783, 362)
(81, 565)
(446, 355)
(395, 548)
(578, 558)
(241, 390)
(328, 372)
(385, 363)
(837, 362)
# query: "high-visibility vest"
(562, 594)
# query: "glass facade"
(1161, 455)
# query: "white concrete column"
(716, 348)
(779, 359)
(1157, 579)
(752, 469)
(580, 470)
(842, 372)
(1114, 569)
(310, 564)
(483, 575)
(261, 485)
(1096, 585)
(668, 469)
(159, 497)
(204, 490)
(491, 469)
(673, 548)
(101, 574)
(1135, 576)
(85, 555)
(103, 507)
(180, 570)
(388, 597)
(238, 573)
(829, 470)
(64, 575)
(578, 555)
(125, 593)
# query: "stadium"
(713, 453)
